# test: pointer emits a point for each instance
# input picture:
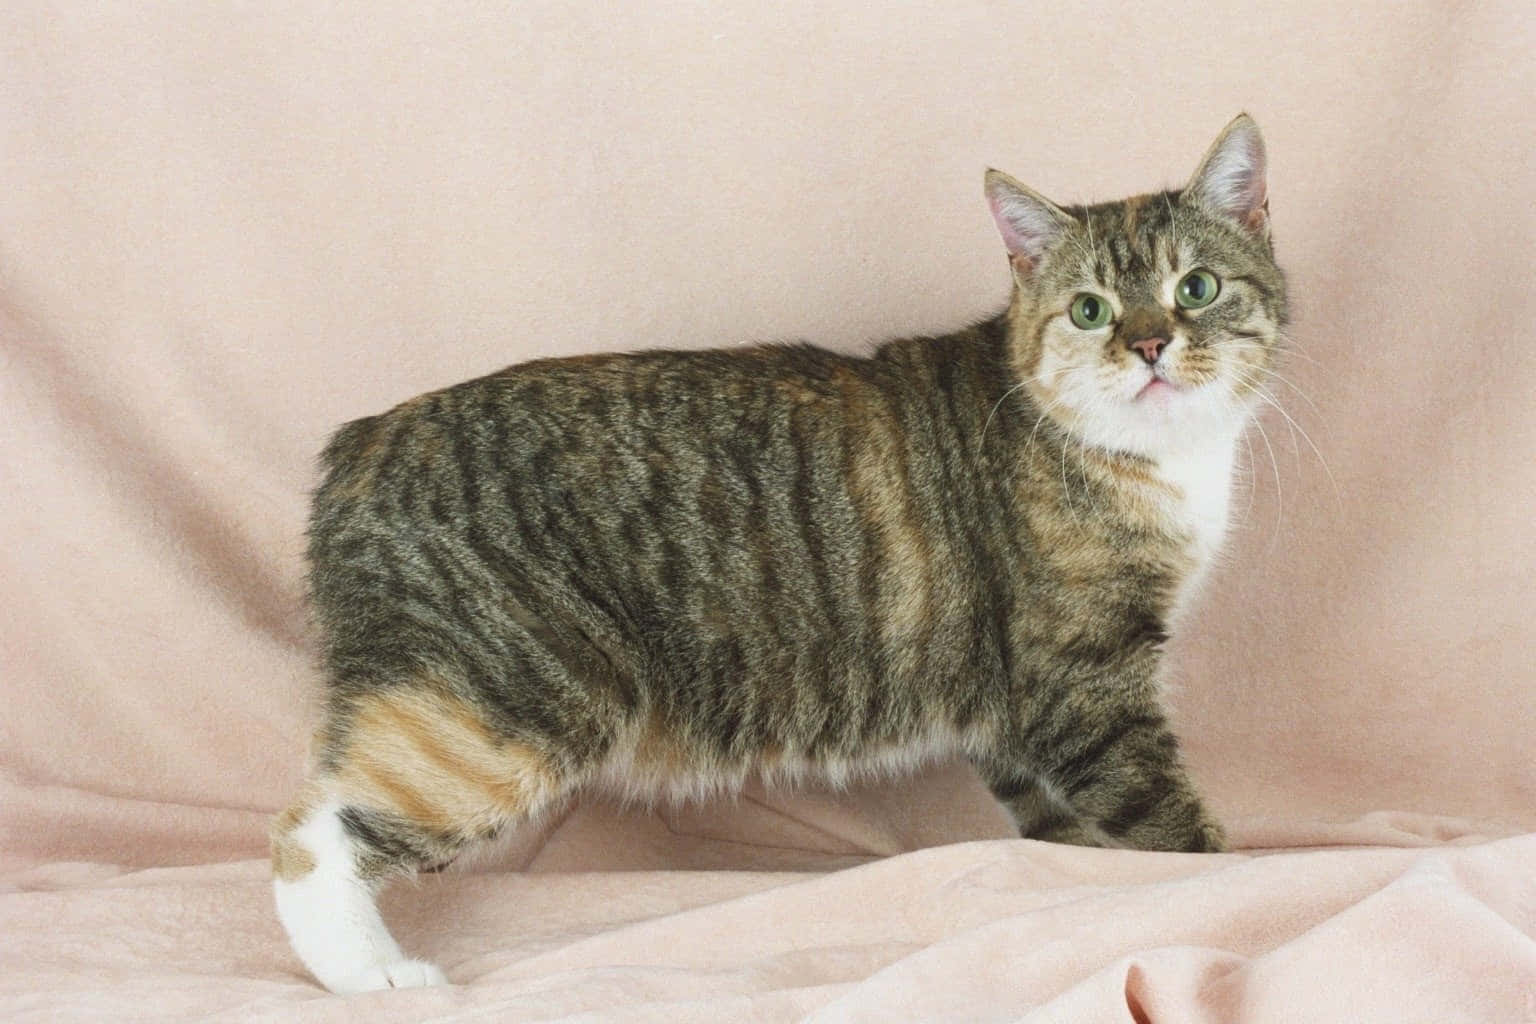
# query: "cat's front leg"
(1097, 773)
(1036, 812)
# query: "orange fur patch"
(429, 757)
(291, 859)
(659, 751)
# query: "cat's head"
(1151, 323)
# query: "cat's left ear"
(1231, 178)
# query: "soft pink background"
(225, 229)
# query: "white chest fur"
(1199, 505)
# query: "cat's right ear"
(1029, 223)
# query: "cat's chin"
(1166, 398)
(1157, 417)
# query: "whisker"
(1288, 349)
(1082, 457)
(1229, 402)
(1246, 375)
(980, 441)
(1281, 343)
(1173, 232)
(1338, 495)
(1275, 374)
(999, 404)
(1066, 489)
(1296, 388)
(1252, 485)
(1279, 490)
(1092, 245)
(1029, 442)
(1039, 420)
(1290, 344)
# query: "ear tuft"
(1029, 223)
(1231, 178)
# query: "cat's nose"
(1149, 348)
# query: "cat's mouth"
(1157, 386)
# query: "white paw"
(400, 974)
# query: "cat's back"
(570, 407)
(661, 478)
(776, 504)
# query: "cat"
(664, 572)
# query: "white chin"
(1160, 418)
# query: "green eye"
(1089, 311)
(1198, 288)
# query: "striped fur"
(665, 572)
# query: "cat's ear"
(1230, 180)
(1030, 223)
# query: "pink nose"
(1150, 348)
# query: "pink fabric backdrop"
(226, 229)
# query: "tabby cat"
(662, 573)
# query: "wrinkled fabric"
(989, 930)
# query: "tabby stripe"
(387, 836)
(1085, 766)
(1140, 804)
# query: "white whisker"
(1296, 428)
(996, 406)
(1239, 347)
(1082, 463)
(1274, 466)
(999, 403)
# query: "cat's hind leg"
(408, 779)
(325, 900)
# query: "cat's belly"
(650, 765)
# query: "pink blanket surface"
(987, 930)
(224, 230)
